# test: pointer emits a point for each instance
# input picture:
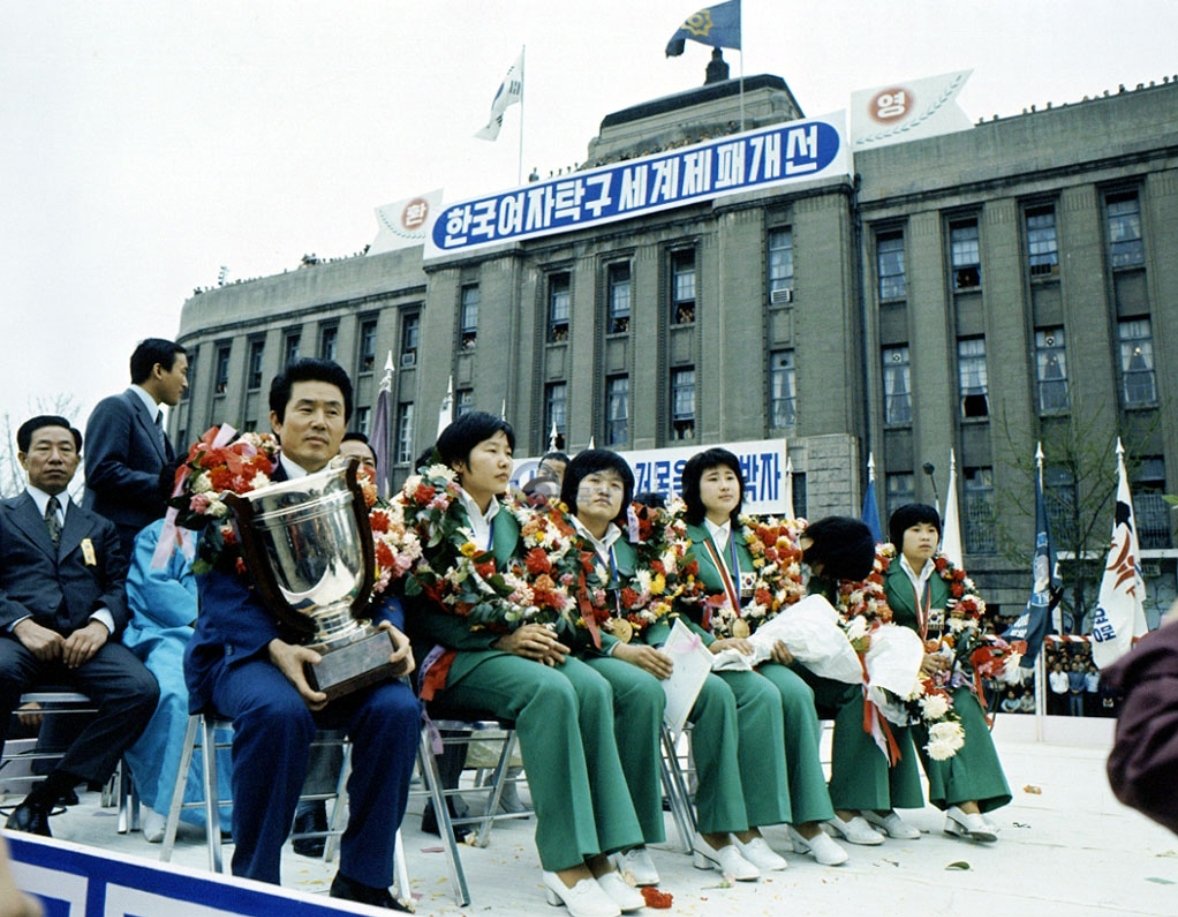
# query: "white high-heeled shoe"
(758, 852)
(625, 896)
(968, 825)
(726, 859)
(585, 899)
(856, 831)
(825, 851)
(639, 865)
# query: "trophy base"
(352, 665)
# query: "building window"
(328, 336)
(559, 296)
(253, 372)
(1138, 384)
(897, 386)
(899, 490)
(361, 420)
(290, 348)
(979, 510)
(971, 377)
(221, 379)
(404, 433)
(1151, 512)
(468, 316)
(618, 306)
(1042, 244)
(889, 266)
(410, 338)
(555, 403)
(683, 403)
(781, 266)
(799, 493)
(366, 355)
(1125, 248)
(617, 410)
(463, 402)
(1059, 495)
(783, 402)
(251, 426)
(965, 254)
(683, 287)
(1051, 370)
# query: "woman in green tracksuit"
(738, 737)
(563, 710)
(971, 782)
(713, 490)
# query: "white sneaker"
(637, 865)
(625, 896)
(971, 826)
(726, 859)
(585, 899)
(760, 854)
(892, 825)
(856, 831)
(825, 851)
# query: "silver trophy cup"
(308, 550)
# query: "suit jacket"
(233, 627)
(123, 457)
(56, 585)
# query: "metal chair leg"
(676, 790)
(173, 820)
(433, 782)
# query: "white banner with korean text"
(780, 154)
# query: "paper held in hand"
(693, 662)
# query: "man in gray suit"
(62, 608)
(128, 447)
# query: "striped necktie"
(52, 522)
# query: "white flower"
(856, 628)
(217, 508)
(1011, 673)
(202, 484)
(670, 561)
(945, 740)
(261, 479)
(441, 471)
(934, 706)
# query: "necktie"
(52, 523)
(159, 430)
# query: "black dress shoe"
(350, 890)
(30, 817)
(311, 818)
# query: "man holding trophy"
(273, 628)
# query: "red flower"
(379, 520)
(630, 598)
(940, 563)
(424, 493)
(486, 569)
(537, 562)
(384, 555)
(658, 568)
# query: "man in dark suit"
(127, 444)
(62, 608)
(242, 664)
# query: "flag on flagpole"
(870, 512)
(1120, 609)
(510, 92)
(717, 26)
(446, 411)
(1034, 623)
(951, 527)
(382, 428)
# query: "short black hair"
(555, 456)
(462, 435)
(428, 456)
(843, 546)
(693, 473)
(24, 435)
(355, 436)
(591, 461)
(908, 515)
(151, 351)
(309, 369)
(651, 498)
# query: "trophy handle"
(364, 527)
(261, 573)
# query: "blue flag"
(1033, 624)
(718, 26)
(870, 513)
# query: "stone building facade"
(978, 291)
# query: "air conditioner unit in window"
(408, 359)
(781, 295)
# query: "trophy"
(307, 547)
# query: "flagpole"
(742, 84)
(1040, 665)
(519, 168)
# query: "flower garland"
(460, 578)
(664, 571)
(778, 581)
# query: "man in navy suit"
(241, 664)
(62, 608)
(127, 444)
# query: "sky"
(144, 145)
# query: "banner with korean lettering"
(780, 154)
(660, 470)
(909, 110)
(405, 222)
